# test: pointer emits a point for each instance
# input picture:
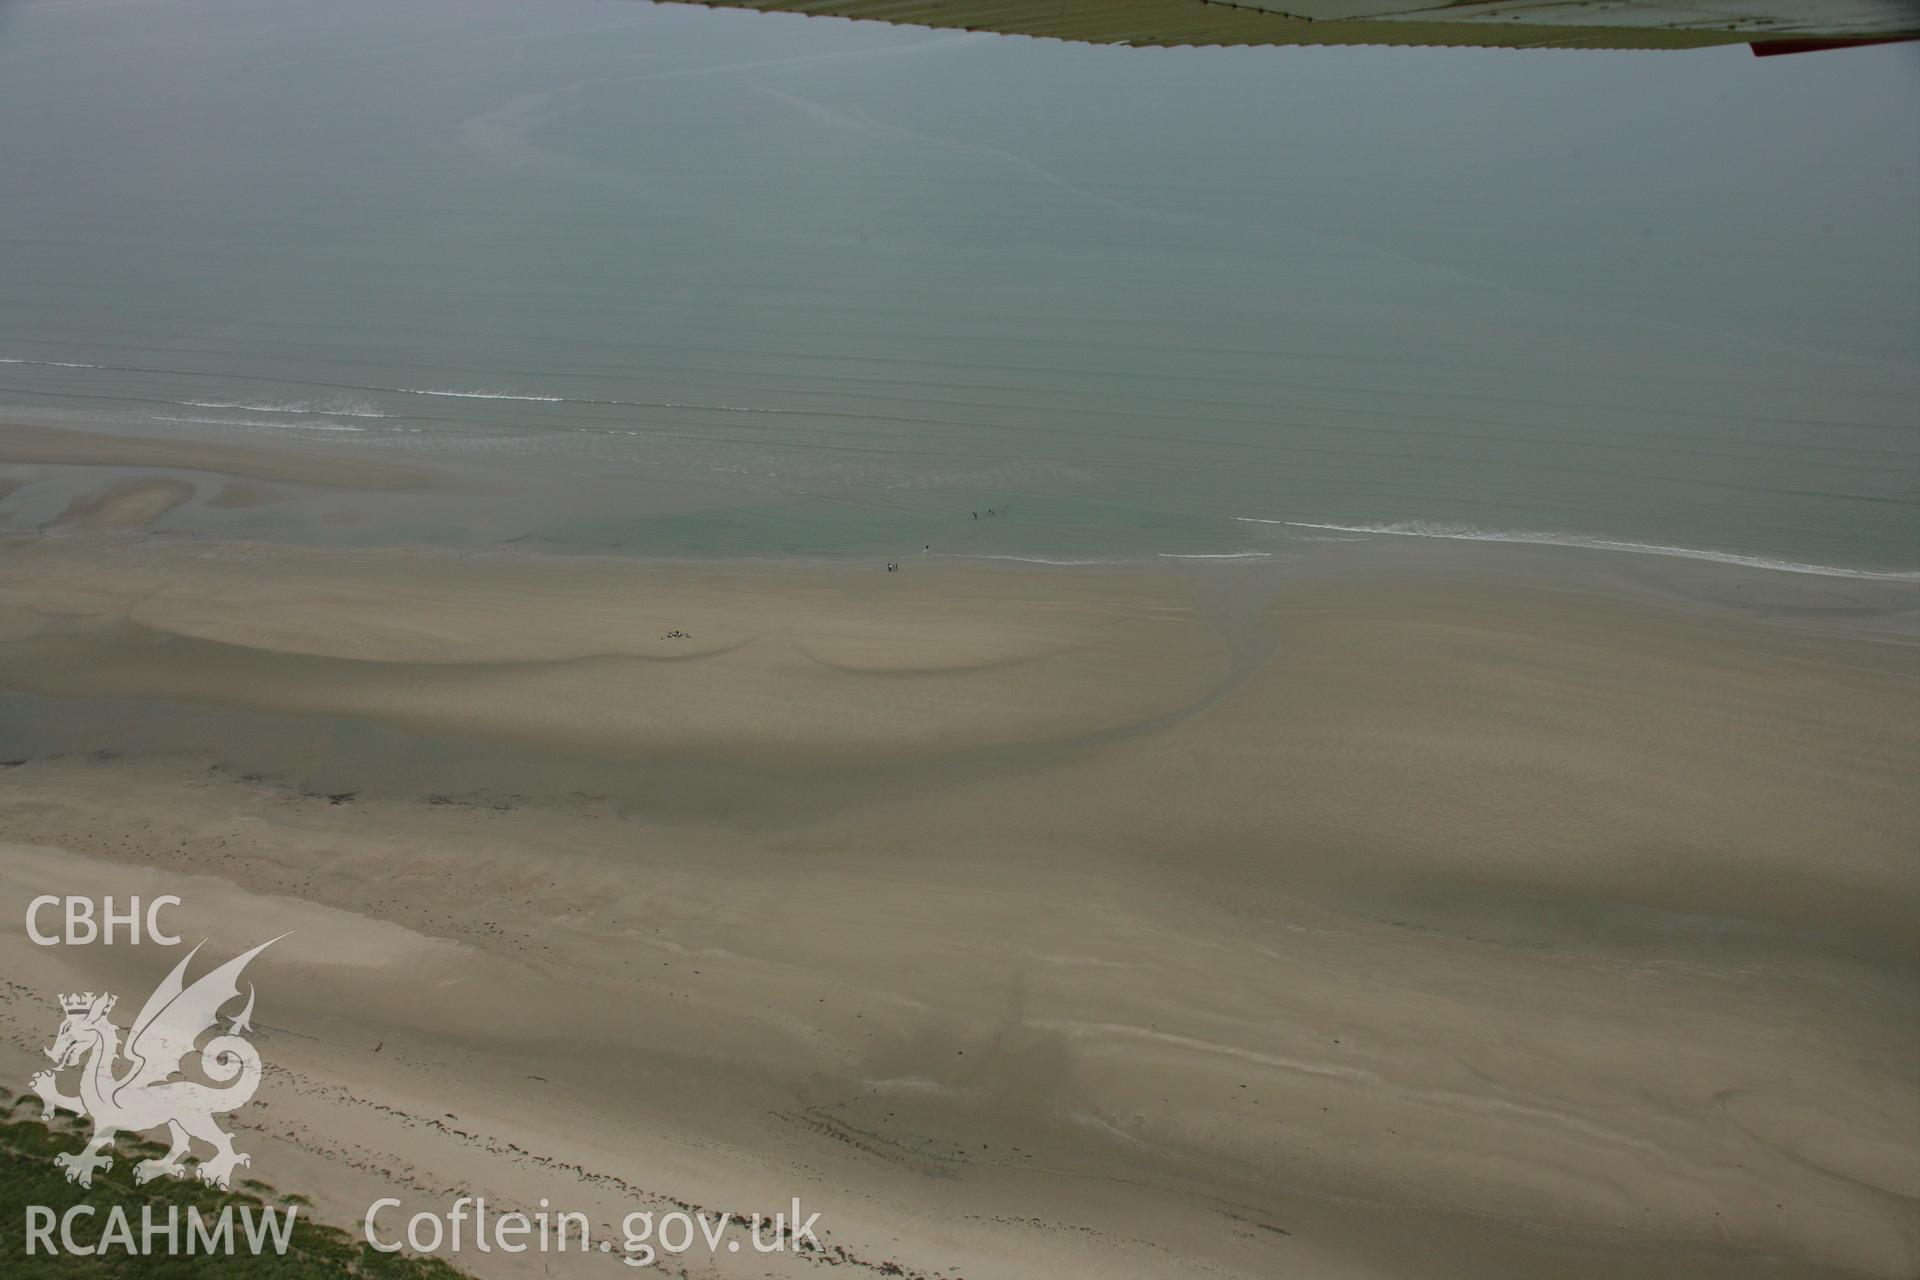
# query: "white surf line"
(1065, 563)
(257, 422)
(1602, 544)
(482, 395)
(279, 408)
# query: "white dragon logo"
(146, 1096)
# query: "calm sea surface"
(855, 284)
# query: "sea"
(674, 281)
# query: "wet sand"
(1423, 911)
(30, 443)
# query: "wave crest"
(1467, 533)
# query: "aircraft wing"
(1770, 26)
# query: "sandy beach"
(796, 648)
(1372, 911)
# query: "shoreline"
(1596, 542)
(307, 480)
(1033, 921)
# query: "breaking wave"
(593, 400)
(258, 422)
(437, 392)
(480, 395)
(1053, 560)
(328, 410)
(1466, 533)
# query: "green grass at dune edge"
(29, 1177)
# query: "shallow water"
(840, 286)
